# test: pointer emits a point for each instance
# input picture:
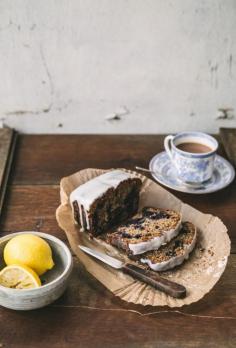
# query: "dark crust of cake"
(176, 247)
(77, 215)
(113, 207)
(150, 223)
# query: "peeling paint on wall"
(117, 115)
(230, 64)
(50, 81)
(214, 74)
(225, 114)
(117, 66)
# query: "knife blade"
(149, 277)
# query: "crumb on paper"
(222, 263)
(210, 252)
(209, 270)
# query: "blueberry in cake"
(173, 253)
(146, 231)
(105, 201)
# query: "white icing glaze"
(154, 243)
(87, 220)
(87, 193)
(81, 218)
(174, 261)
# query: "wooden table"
(88, 315)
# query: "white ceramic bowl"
(54, 282)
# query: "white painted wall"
(163, 66)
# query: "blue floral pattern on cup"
(192, 167)
(193, 170)
(165, 173)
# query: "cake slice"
(173, 253)
(105, 201)
(146, 231)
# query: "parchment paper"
(198, 274)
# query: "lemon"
(19, 277)
(29, 250)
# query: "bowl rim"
(44, 236)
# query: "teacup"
(192, 154)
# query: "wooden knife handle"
(170, 288)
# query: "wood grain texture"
(228, 137)
(154, 279)
(44, 199)
(8, 139)
(88, 315)
(5, 144)
(45, 159)
(32, 208)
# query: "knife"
(149, 277)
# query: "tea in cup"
(192, 154)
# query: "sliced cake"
(173, 253)
(105, 201)
(146, 231)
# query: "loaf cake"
(105, 201)
(173, 253)
(146, 231)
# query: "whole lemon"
(29, 250)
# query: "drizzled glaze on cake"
(95, 188)
(173, 253)
(148, 230)
(82, 199)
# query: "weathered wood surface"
(7, 146)
(88, 315)
(41, 200)
(228, 136)
(45, 159)
(44, 199)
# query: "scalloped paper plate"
(198, 274)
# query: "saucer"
(165, 173)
